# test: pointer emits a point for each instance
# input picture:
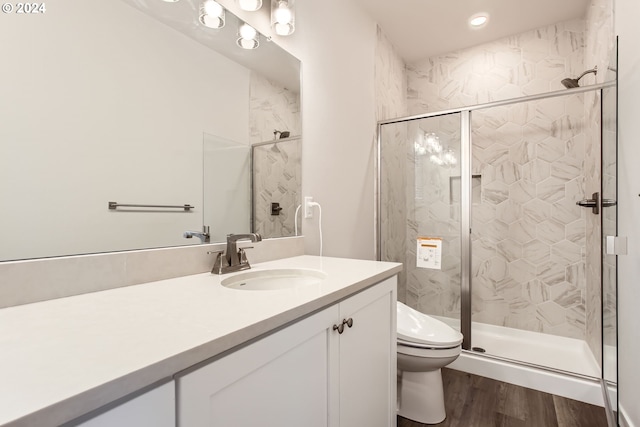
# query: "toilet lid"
(417, 327)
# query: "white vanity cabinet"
(154, 408)
(307, 374)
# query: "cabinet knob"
(340, 327)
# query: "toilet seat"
(415, 345)
(419, 330)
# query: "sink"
(274, 279)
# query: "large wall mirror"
(120, 101)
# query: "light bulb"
(250, 5)
(212, 14)
(282, 17)
(247, 37)
(283, 29)
(478, 20)
(247, 31)
(436, 160)
(213, 8)
(449, 157)
(282, 14)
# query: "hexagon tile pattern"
(528, 236)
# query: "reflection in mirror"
(227, 185)
(277, 187)
(114, 109)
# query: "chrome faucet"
(234, 259)
(204, 237)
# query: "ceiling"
(423, 28)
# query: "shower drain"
(478, 349)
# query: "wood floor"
(473, 401)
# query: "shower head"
(280, 134)
(571, 83)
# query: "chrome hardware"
(204, 237)
(593, 203)
(340, 328)
(275, 208)
(116, 205)
(234, 259)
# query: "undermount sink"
(274, 279)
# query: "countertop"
(62, 358)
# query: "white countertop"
(65, 357)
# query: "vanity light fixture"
(250, 5)
(247, 36)
(478, 20)
(212, 14)
(283, 17)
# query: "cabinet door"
(155, 408)
(368, 358)
(280, 380)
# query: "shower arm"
(594, 70)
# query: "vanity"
(191, 352)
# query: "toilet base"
(421, 396)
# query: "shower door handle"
(593, 203)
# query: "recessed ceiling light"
(479, 20)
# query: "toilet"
(425, 345)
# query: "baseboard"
(623, 419)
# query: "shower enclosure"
(276, 186)
(485, 207)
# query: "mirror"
(262, 186)
(109, 102)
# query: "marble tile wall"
(433, 210)
(272, 107)
(524, 64)
(609, 220)
(599, 45)
(529, 238)
(528, 235)
(391, 102)
(390, 80)
(277, 171)
(277, 177)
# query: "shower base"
(548, 363)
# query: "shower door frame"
(466, 182)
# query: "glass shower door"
(420, 189)
(530, 255)
(609, 256)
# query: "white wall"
(335, 42)
(106, 104)
(627, 12)
(339, 125)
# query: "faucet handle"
(217, 263)
(242, 255)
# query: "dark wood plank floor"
(473, 401)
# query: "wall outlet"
(308, 208)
